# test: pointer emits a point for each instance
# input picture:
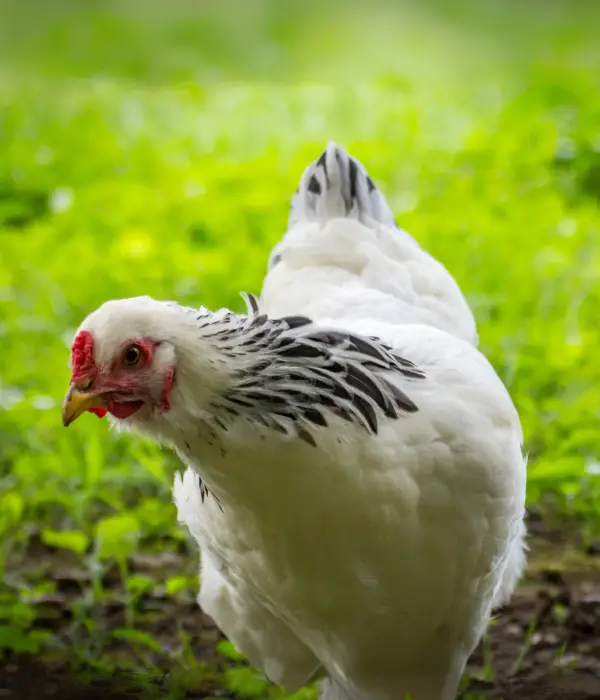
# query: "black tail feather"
(337, 185)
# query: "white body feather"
(377, 559)
(372, 559)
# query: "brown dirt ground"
(545, 645)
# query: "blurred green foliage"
(127, 168)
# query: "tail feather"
(338, 185)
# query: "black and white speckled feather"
(292, 374)
(336, 184)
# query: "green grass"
(126, 169)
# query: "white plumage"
(362, 495)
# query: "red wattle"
(124, 409)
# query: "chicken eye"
(132, 355)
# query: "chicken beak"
(77, 402)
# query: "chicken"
(356, 480)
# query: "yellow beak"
(77, 402)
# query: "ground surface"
(545, 644)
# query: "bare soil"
(545, 645)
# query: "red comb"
(83, 365)
(82, 355)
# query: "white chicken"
(361, 495)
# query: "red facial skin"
(121, 380)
